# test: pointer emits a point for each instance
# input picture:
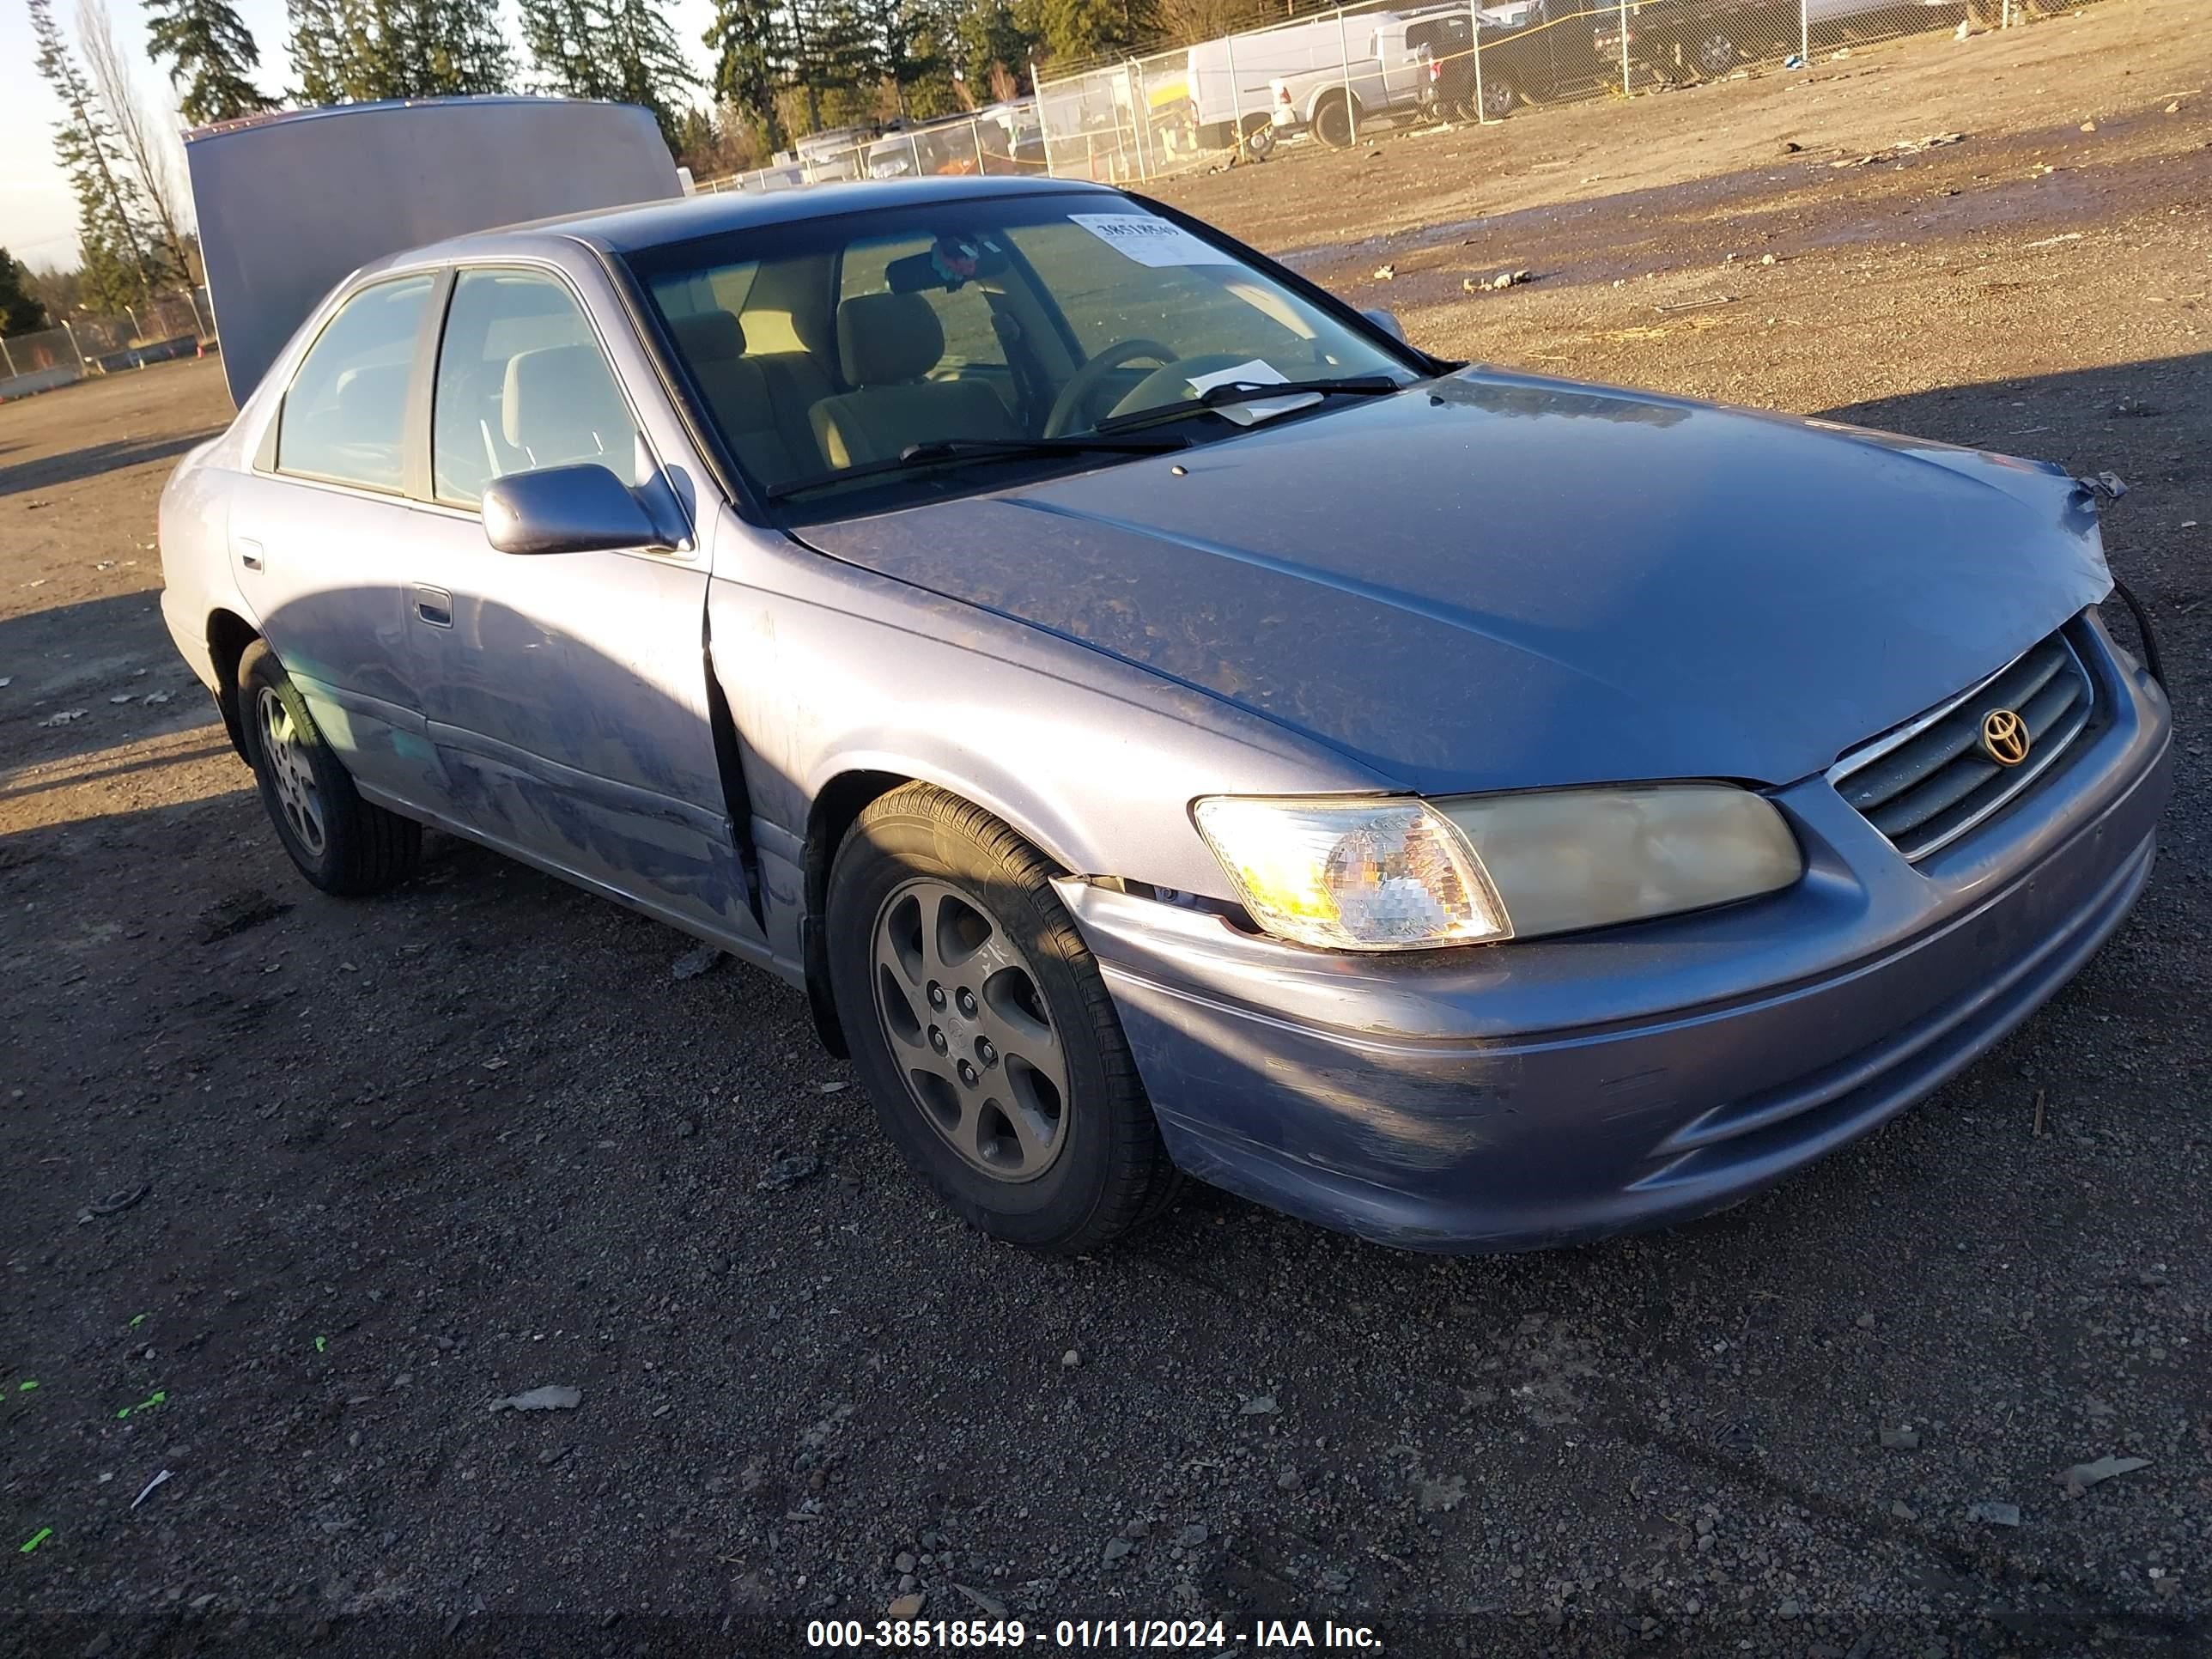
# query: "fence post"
(1235, 99)
(74, 346)
(1140, 125)
(6, 359)
(1804, 34)
(976, 136)
(1044, 132)
(914, 149)
(1474, 44)
(1624, 48)
(1344, 54)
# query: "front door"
(566, 693)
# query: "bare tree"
(133, 128)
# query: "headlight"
(1397, 874)
(1361, 875)
(1568, 859)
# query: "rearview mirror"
(1388, 322)
(566, 509)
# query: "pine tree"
(211, 56)
(1075, 29)
(560, 36)
(20, 310)
(989, 34)
(448, 48)
(895, 41)
(624, 50)
(361, 51)
(750, 45)
(315, 52)
(648, 64)
(121, 262)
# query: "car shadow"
(76, 465)
(77, 658)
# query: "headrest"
(710, 336)
(557, 399)
(885, 339)
(373, 392)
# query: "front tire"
(983, 1030)
(340, 842)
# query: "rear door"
(566, 694)
(321, 533)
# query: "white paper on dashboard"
(1151, 242)
(1258, 372)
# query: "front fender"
(830, 669)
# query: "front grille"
(1928, 782)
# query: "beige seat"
(886, 343)
(558, 405)
(766, 434)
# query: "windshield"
(862, 360)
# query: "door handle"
(434, 605)
(249, 554)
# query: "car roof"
(681, 219)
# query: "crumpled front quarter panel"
(830, 669)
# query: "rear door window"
(345, 417)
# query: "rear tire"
(980, 1024)
(1499, 95)
(1332, 121)
(340, 842)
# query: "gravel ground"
(296, 1189)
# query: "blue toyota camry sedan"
(1168, 724)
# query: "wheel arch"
(836, 804)
(228, 633)
(1327, 97)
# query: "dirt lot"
(305, 1185)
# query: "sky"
(38, 214)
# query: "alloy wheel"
(969, 1028)
(290, 771)
(1718, 56)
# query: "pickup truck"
(1533, 53)
(1391, 81)
(1421, 61)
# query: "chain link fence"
(1003, 139)
(1329, 76)
(165, 325)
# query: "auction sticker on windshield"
(1151, 242)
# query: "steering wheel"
(1082, 386)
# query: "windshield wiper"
(1248, 391)
(932, 451)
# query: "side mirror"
(566, 509)
(1388, 322)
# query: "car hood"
(1501, 581)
